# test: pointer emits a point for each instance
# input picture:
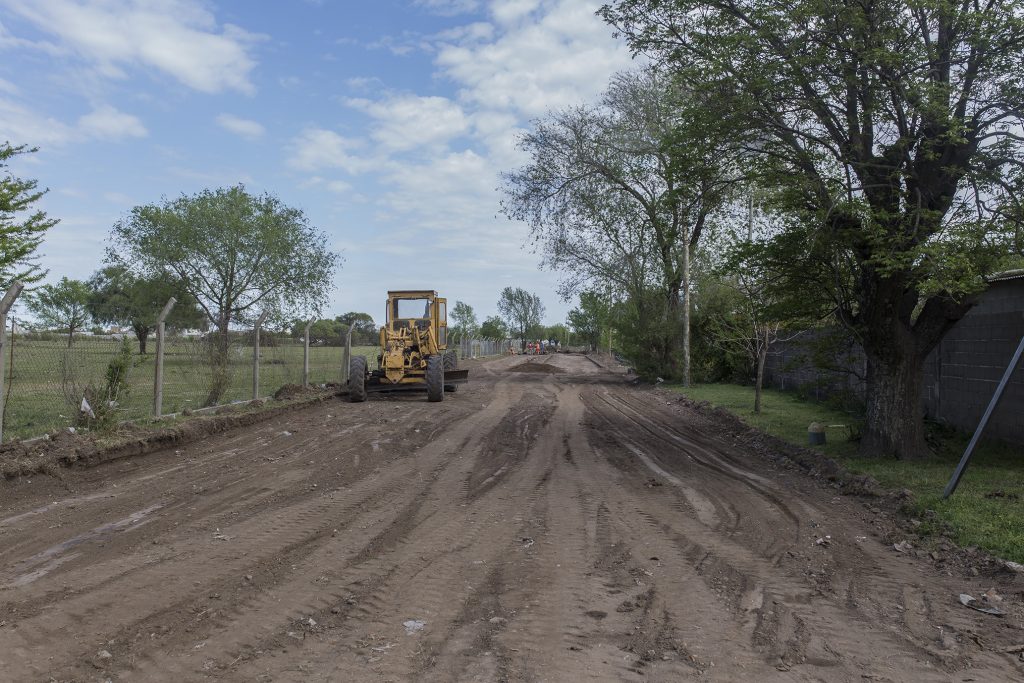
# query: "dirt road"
(548, 522)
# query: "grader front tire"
(357, 380)
(435, 379)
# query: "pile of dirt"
(535, 367)
(66, 448)
(290, 391)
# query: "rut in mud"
(548, 522)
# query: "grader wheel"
(435, 378)
(357, 379)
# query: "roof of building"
(1007, 275)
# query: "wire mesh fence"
(88, 381)
(478, 348)
(94, 381)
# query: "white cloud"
(245, 128)
(406, 122)
(180, 38)
(20, 125)
(317, 148)
(509, 11)
(449, 7)
(561, 56)
(107, 123)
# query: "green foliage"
(364, 330)
(120, 297)
(61, 306)
(106, 399)
(590, 318)
(522, 309)
(887, 134)
(20, 234)
(494, 327)
(238, 254)
(718, 307)
(462, 321)
(618, 194)
(645, 332)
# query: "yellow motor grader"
(414, 353)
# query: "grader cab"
(414, 353)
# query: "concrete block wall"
(961, 374)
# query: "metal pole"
(158, 373)
(962, 466)
(256, 355)
(346, 359)
(5, 306)
(305, 356)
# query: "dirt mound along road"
(537, 366)
(535, 527)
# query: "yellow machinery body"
(406, 342)
(414, 350)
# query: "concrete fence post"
(158, 371)
(5, 306)
(305, 355)
(256, 355)
(346, 358)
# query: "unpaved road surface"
(546, 523)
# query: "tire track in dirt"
(538, 525)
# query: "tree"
(238, 254)
(61, 306)
(118, 296)
(364, 330)
(20, 236)
(619, 194)
(590, 318)
(889, 133)
(464, 318)
(522, 309)
(494, 328)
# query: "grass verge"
(987, 510)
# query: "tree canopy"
(22, 228)
(118, 296)
(463, 322)
(494, 327)
(62, 306)
(618, 194)
(236, 253)
(522, 309)
(888, 135)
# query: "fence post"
(158, 372)
(5, 306)
(954, 481)
(346, 358)
(256, 355)
(305, 356)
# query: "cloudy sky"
(387, 122)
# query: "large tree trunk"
(895, 416)
(142, 334)
(219, 363)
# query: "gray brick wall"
(960, 374)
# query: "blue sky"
(387, 122)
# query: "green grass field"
(46, 379)
(986, 511)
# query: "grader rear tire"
(435, 378)
(357, 380)
(451, 360)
